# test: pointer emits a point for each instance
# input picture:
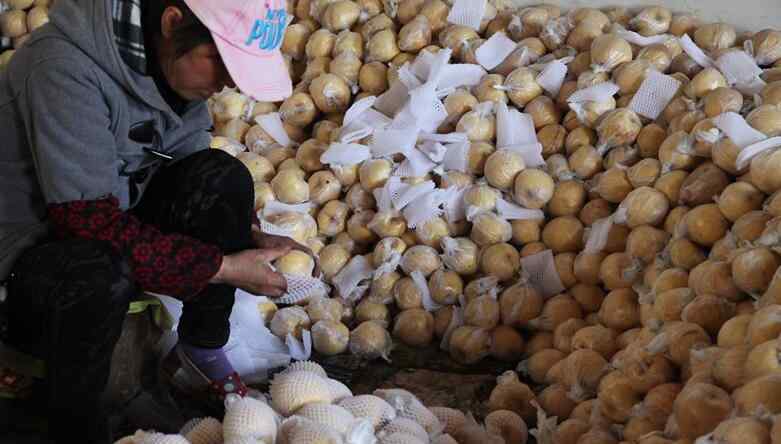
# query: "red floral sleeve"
(172, 264)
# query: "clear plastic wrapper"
(753, 150)
(598, 235)
(370, 340)
(541, 273)
(652, 21)
(230, 146)
(483, 311)
(553, 74)
(739, 68)
(502, 166)
(420, 258)
(695, 52)
(469, 344)
(389, 265)
(495, 50)
(301, 349)
(638, 39)
(735, 127)
(346, 281)
(429, 304)
(480, 123)
(488, 229)
(330, 337)
(590, 103)
(555, 32)
(345, 154)
(608, 51)
(510, 211)
(459, 255)
(764, 46)
(515, 132)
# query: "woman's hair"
(187, 36)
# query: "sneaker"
(186, 378)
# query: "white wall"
(746, 15)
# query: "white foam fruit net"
(276, 230)
(302, 289)
(654, 94)
(467, 13)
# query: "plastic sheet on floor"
(252, 348)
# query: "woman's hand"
(263, 240)
(250, 271)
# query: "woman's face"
(197, 74)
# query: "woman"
(108, 189)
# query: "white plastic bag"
(252, 349)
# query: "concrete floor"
(134, 395)
(139, 400)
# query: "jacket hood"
(88, 24)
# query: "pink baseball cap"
(248, 34)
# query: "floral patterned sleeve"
(172, 264)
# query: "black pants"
(67, 299)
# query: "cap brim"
(263, 77)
